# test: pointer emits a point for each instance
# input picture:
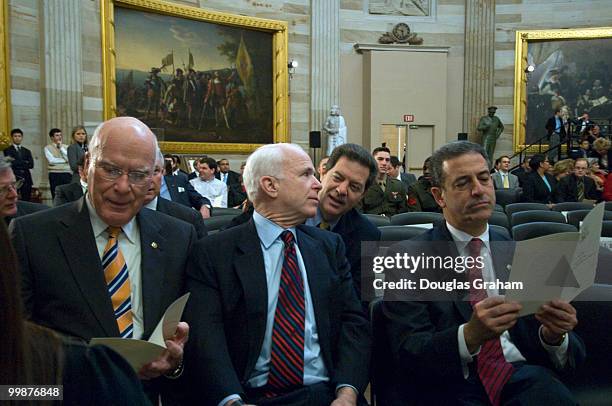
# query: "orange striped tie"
(118, 282)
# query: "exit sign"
(408, 118)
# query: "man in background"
(21, 162)
(209, 186)
(386, 196)
(10, 206)
(502, 179)
(72, 191)
(226, 175)
(577, 187)
(395, 172)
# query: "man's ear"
(269, 185)
(438, 196)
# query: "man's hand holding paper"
(171, 358)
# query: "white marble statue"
(335, 129)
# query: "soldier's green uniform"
(390, 202)
(420, 197)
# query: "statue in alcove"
(335, 129)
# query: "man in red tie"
(464, 343)
(274, 316)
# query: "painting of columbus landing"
(194, 81)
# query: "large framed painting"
(205, 82)
(571, 73)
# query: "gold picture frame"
(279, 80)
(521, 77)
(5, 89)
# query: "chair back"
(499, 219)
(569, 206)
(398, 233)
(500, 230)
(505, 197)
(538, 229)
(516, 207)
(531, 216)
(378, 220)
(225, 211)
(416, 217)
(215, 223)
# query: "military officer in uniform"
(386, 196)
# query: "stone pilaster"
(479, 62)
(325, 61)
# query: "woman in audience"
(34, 355)
(76, 150)
(562, 169)
(597, 174)
(603, 153)
(539, 185)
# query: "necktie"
(382, 185)
(163, 190)
(493, 369)
(580, 187)
(506, 181)
(324, 225)
(287, 351)
(118, 282)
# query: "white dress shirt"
(214, 190)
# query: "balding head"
(119, 166)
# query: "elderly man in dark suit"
(22, 162)
(154, 202)
(274, 314)
(101, 266)
(351, 170)
(469, 340)
(10, 207)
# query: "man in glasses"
(101, 266)
(10, 207)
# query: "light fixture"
(291, 67)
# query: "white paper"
(141, 352)
(556, 266)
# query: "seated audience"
(34, 355)
(539, 185)
(471, 347)
(562, 168)
(577, 186)
(225, 174)
(502, 179)
(597, 174)
(255, 338)
(209, 186)
(585, 150)
(386, 196)
(419, 193)
(72, 191)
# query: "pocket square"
(181, 189)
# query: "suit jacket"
(535, 190)
(67, 193)
(75, 152)
(513, 181)
(550, 126)
(228, 307)
(22, 162)
(423, 334)
(408, 179)
(182, 192)
(354, 228)
(25, 208)
(521, 174)
(63, 285)
(181, 212)
(235, 195)
(567, 189)
(232, 177)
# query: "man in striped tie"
(468, 345)
(101, 266)
(274, 315)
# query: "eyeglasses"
(13, 185)
(111, 172)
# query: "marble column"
(325, 61)
(479, 62)
(62, 66)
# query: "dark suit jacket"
(181, 212)
(354, 228)
(551, 123)
(228, 306)
(183, 192)
(22, 162)
(423, 334)
(232, 177)
(408, 179)
(67, 193)
(535, 190)
(521, 174)
(567, 189)
(61, 273)
(24, 208)
(235, 195)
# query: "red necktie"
(287, 351)
(493, 369)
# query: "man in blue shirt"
(276, 318)
(555, 128)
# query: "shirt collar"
(462, 238)
(268, 231)
(100, 226)
(152, 204)
(318, 218)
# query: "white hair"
(265, 161)
(159, 158)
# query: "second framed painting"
(204, 82)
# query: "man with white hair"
(274, 315)
(10, 206)
(101, 266)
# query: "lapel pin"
(154, 244)
(509, 267)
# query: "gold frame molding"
(280, 91)
(523, 38)
(5, 88)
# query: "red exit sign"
(408, 118)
